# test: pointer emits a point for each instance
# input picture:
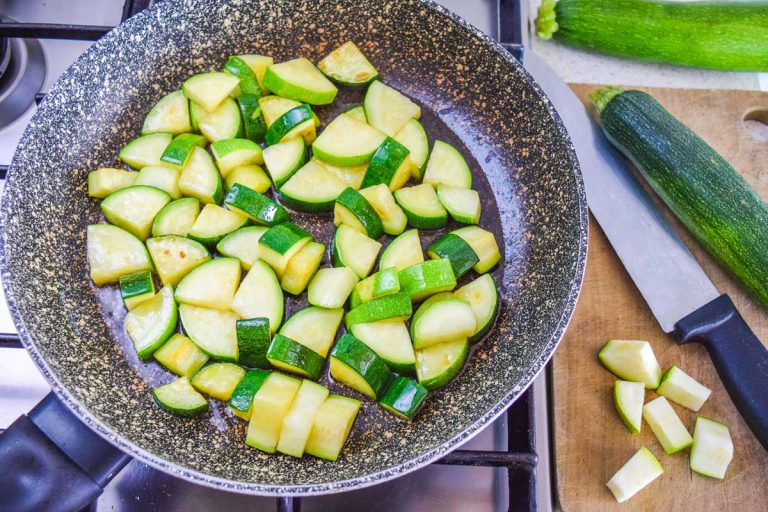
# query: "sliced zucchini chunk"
(442, 321)
(628, 398)
(257, 207)
(260, 296)
(218, 380)
(113, 252)
(362, 292)
(223, 123)
(174, 256)
(209, 90)
(385, 282)
(354, 210)
(314, 328)
(388, 109)
(421, 280)
(666, 426)
(639, 471)
(105, 180)
(455, 250)
(213, 330)
(357, 112)
(251, 176)
(462, 204)
(331, 427)
(134, 208)
(273, 401)
(152, 322)
(683, 389)
(404, 397)
(284, 159)
(302, 267)
(354, 250)
(162, 178)
(712, 449)
(331, 286)
(413, 136)
(438, 364)
(253, 339)
(434, 298)
(181, 356)
(347, 141)
(281, 243)
(484, 300)
(176, 218)
(297, 424)
(391, 342)
(484, 244)
(248, 83)
(179, 151)
(352, 175)
(348, 66)
(312, 188)
(357, 366)
(392, 307)
(170, 114)
(300, 80)
(179, 397)
(200, 178)
(145, 150)
(295, 123)
(210, 285)
(242, 397)
(291, 356)
(259, 65)
(447, 166)
(136, 288)
(422, 207)
(389, 165)
(231, 153)
(214, 223)
(242, 244)
(631, 360)
(403, 252)
(254, 126)
(393, 220)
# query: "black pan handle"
(51, 461)
(740, 358)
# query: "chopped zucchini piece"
(251, 176)
(105, 180)
(331, 286)
(312, 189)
(176, 218)
(181, 356)
(442, 321)
(666, 425)
(253, 339)
(403, 252)
(484, 244)
(145, 150)
(209, 90)
(631, 360)
(347, 141)
(712, 449)
(357, 112)
(300, 80)
(297, 424)
(223, 123)
(213, 330)
(281, 243)
(390, 165)
(484, 300)
(354, 210)
(170, 114)
(218, 380)
(314, 328)
(354, 250)
(404, 397)
(254, 126)
(179, 151)
(302, 267)
(257, 207)
(273, 401)
(462, 204)
(242, 397)
(260, 296)
(393, 219)
(447, 166)
(390, 340)
(422, 207)
(179, 397)
(357, 366)
(628, 398)
(352, 175)
(299, 122)
(388, 109)
(113, 252)
(136, 288)
(248, 83)
(291, 356)
(391, 307)
(284, 159)
(331, 427)
(210, 285)
(348, 66)
(259, 65)
(438, 364)
(427, 278)
(413, 136)
(639, 471)
(200, 178)
(683, 389)
(231, 153)
(134, 208)
(152, 322)
(214, 223)
(163, 178)
(242, 244)
(455, 250)
(385, 282)
(174, 256)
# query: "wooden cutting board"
(591, 441)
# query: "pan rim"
(198, 477)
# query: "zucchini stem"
(546, 21)
(602, 97)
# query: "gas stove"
(505, 467)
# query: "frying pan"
(473, 94)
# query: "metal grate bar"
(53, 31)
(522, 460)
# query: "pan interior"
(471, 94)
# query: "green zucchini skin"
(710, 197)
(706, 34)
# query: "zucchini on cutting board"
(610, 306)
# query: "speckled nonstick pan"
(472, 93)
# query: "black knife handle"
(740, 358)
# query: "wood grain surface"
(591, 441)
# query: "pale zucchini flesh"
(639, 471)
(712, 449)
(152, 322)
(260, 296)
(211, 285)
(631, 360)
(683, 389)
(174, 256)
(666, 425)
(113, 252)
(628, 398)
(213, 330)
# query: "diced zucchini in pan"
(299, 122)
(392, 307)
(357, 366)
(242, 244)
(152, 322)
(628, 398)
(170, 114)
(248, 83)
(181, 356)
(484, 244)
(312, 188)
(357, 112)
(404, 397)
(347, 141)
(214, 223)
(162, 178)
(442, 321)
(231, 153)
(390, 165)
(210, 285)
(385, 282)
(666, 425)
(174, 256)
(355, 211)
(297, 424)
(413, 136)
(272, 107)
(639, 471)
(712, 449)
(223, 123)
(434, 298)
(242, 397)
(254, 126)
(383, 202)
(422, 207)
(253, 339)
(284, 159)
(179, 397)
(281, 243)
(683, 389)
(348, 66)
(179, 151)
(273, 401)
(134, 208)
(390, 340)
(200, 178)
(421, 280)
(462, 204)
(455, 250)
(362, 292)
(145, 150)
(251, 176)
(631, 360)
(260, 296)
(105, 180)
(403, 252)
(333, 422)
(257, 207)
(113, 252)
(438, 364)
(300, 80)
(259, 65)
(331, 286)
(314, 328)
(447, 166)
(354, 250)
(209, 90)
(176, 218)
(302, 267)
(484, 300)
(136, 288)
(387, 109)
(213, 330)
(291, 356)
(352, 175)
(218, 380)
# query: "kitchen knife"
(681, 296)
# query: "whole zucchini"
(714, 201)
(718, 35)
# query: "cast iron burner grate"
(521, 458)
